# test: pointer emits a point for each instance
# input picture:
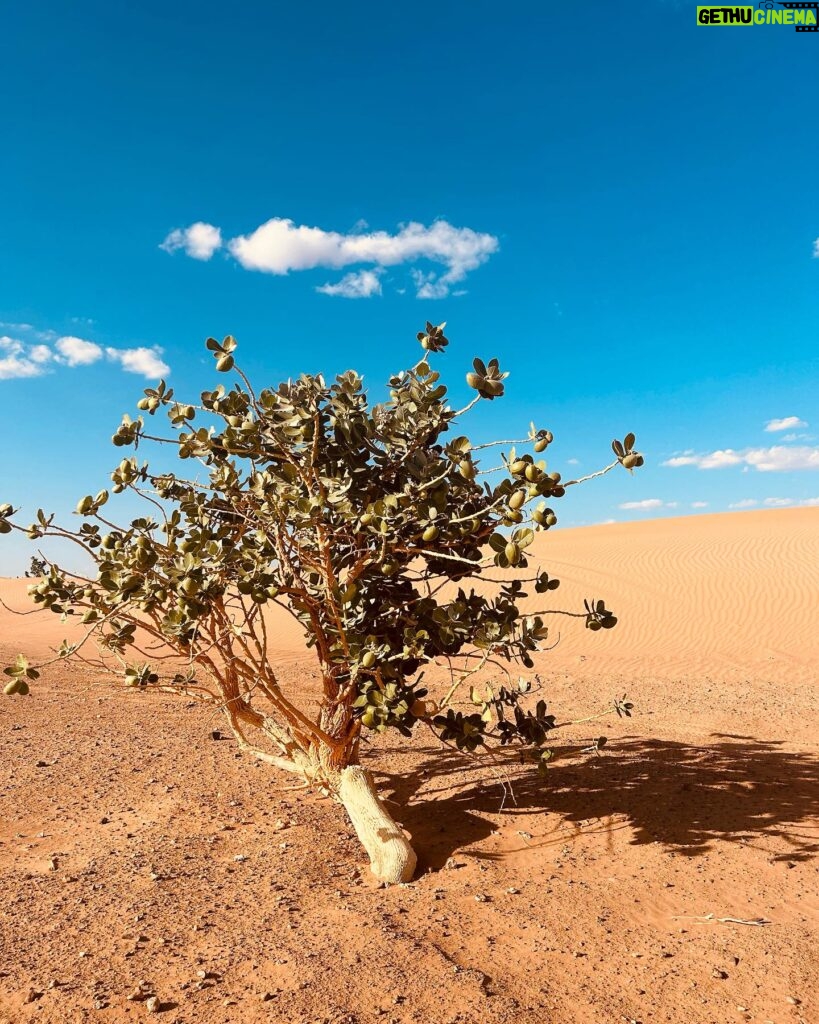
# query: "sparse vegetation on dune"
(367, 523)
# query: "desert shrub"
(368, 523)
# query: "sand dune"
(735, 593)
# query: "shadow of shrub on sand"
(734, 789)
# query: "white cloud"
(20, 359)
(699, 504)
(816, 249)
(279, 246)
(787, 423)
(14, 362)
(714, 460)
(77, 351)
(780, 459)
(200, 240)
(144, 361)
(642, 506)
(40, 354)
(355, 285)
(777, 459)
(720, 459)
(776, 503)
(573, 462)
(13, 366)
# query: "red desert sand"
(674, 878)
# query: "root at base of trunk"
(391, 857)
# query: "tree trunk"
(392, 859)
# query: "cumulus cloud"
(77, 351)
(787, 423)
(642, 506)
(780, 459)
(200, 240)
(745, 503)
(699, 504)
(15, 362)
(144, 361)
(40, 354)
(280, 246)
(355, 285)
(21, 359)
(777, 459)
(816, 249)
(777, 502)
(811, 502)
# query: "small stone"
(240, 858)
(717, 973)
(154, 877)
(793, 1000)
(512, 890)
(83, 953)
(281, 823)
(152, 1004)
(32, 995)
(481, 898)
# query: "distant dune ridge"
(733, 593)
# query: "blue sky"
(619, 204)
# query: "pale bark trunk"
(392, 859)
